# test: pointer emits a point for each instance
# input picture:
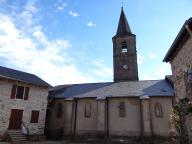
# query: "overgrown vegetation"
(180, 110)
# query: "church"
(125, 107)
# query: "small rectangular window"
(34, 116)
(20, 92)
(124, 47)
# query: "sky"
(70, 41)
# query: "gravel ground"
(91, 142)
(40, 142)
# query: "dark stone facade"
(124, 52)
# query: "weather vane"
(122, 3)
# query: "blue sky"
(70, 41)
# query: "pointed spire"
(123, 26)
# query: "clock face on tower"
(125, 66)
(123, 63)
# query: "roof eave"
(176, 41)
(124, 35)
(14, 79)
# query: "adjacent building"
(180, 57)
(125, 107)
(23, 101)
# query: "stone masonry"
(180, 58)
(37, 101)
(180, 64)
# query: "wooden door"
(15, 119)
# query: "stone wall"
(37, 100)
(130, 59)
(180, 64)
(105, 120)
(161, 125)
(130, 125)
(86, 125)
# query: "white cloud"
(158, 72)
(100, 69)
(162, 70)
(147, 77)
(60, 5)
(28, 13)
(33, 52)
(91, 24)
(152, 55)
(73, 14)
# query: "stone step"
(17, 136)
(19, 140)
(14, 132)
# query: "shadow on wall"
(54, 134)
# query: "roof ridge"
(18, 70)
(22, 76)
(105, 82)
(84, 83)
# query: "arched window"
(123, 47)
(158, 110)
(122, 112)
(59, 110)
(87, 112)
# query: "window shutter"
(13, 91)
(34, 116)
(26, 93)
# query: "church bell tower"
(124, 52)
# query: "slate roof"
(123, 26)
(22, 76)
(113, 89)
(178, 39)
